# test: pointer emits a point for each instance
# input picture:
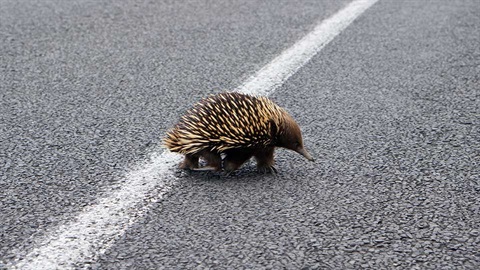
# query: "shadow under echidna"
(236, 126)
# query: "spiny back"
(225, 121)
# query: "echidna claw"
(268, 169)
(228, 173)
(203, 169)
(273, 170)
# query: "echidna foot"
(190, 162)
(267, 169)
(214, 161)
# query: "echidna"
(237, 126)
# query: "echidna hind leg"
(235, 159)
(190, 162)
(214, 161)
(265, 160)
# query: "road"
(390, 109)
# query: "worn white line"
(94, 229)
(97, 226)
(289, 61)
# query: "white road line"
(289, 61)
(98, 226)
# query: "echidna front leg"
(190, 162)
(265, 160)
(235, 159)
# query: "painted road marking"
(292, 59)
(96, 227)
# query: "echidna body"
(237, 125)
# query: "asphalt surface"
(390, 109)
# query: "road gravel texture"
(89, 88)
(390, 109)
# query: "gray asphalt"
(390, 109)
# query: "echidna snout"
(291, 138)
